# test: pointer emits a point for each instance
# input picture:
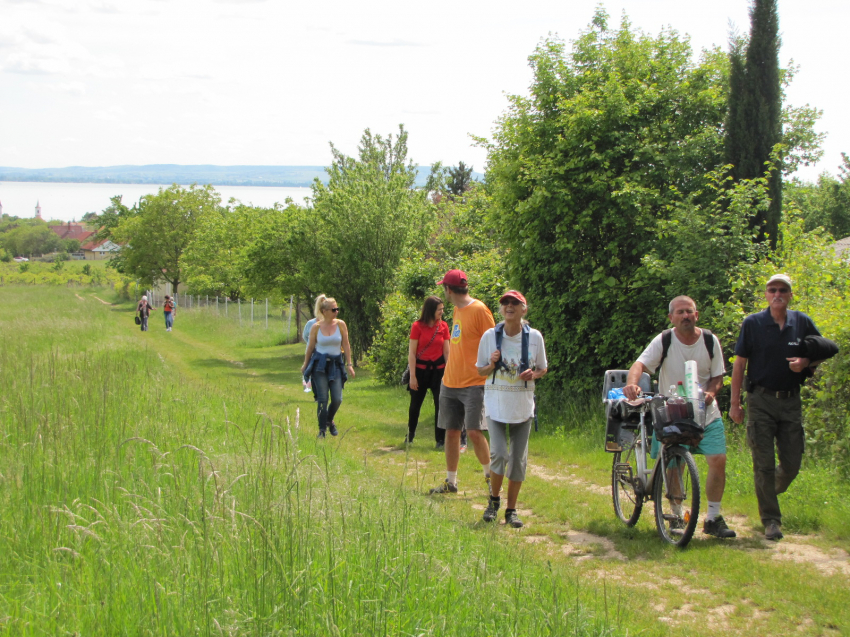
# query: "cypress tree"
(754, 117)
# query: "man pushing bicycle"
(669, 351)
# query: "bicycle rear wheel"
(677, 509)
(628, 500)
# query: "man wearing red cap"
(771, 354)
(462, 391)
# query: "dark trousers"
(774, 421)
(427, 379)
(324, 389)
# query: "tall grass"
(138, 501)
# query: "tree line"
(629, 174)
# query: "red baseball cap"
(454, 277)
(513, 294)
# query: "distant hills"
(286, 176)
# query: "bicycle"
(675, 491)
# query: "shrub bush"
(417, 279)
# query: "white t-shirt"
(508, 399)
(673, 369)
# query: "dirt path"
(742, 587)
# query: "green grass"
(142, 498)
(171, 483)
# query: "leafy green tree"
(277, 258)
(825, 203)
(107, 223)
(363, 219)
(803, 145)
(754, 120)
(614, 134)
(31, 239)
(215, 262)
(463, 225)
(70, 245)
(155, 237)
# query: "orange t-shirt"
(468, 327)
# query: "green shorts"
(712, 443)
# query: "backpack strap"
(523, 361)
(708, 337)
(667, 338)
(498, 331)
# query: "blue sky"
(103, 82)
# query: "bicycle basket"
(684, 431)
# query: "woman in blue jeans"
(323, 362)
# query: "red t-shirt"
(422, 333)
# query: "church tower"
(37, 210)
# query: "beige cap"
(779, 277)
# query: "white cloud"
(395, 42)
(69, 88)
(33, 64)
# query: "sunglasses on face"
(511, 302)
(780, 290)
(333, 309)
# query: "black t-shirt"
(766, 348)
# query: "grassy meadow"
(172, 484)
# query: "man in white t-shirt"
(688, 343)
(509, 399)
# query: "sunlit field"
(138, 499)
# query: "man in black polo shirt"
(768, 350)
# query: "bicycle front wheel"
(677, 505)
(628, 500)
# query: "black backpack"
(523, 360)
(667, 338)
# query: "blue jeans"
(321, 387)
(169, 319)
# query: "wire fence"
(288, 318)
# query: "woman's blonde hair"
(322, 303)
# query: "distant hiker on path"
(169, 310)
(427, 355)
(511, 356)
(323, 362)
(462, 392)
(144, 310)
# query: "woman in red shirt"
(427, 355)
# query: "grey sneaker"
(445, 487)
(332, 428)
(512, 519)
(492, 509)
(718, 528)
(773, 531)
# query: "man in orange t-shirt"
(462, 391)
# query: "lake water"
(70, 202)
